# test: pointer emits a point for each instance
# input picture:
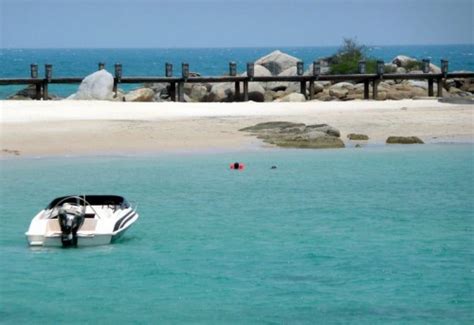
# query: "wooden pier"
(177, 82)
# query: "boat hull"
(82, 240)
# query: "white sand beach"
(30, 128)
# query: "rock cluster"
(98, 86)
(297, 135)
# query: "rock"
(140, 95)
(259, 71)
(277, 61)
(324, 68)
(403, 60)
(157, 87)
(357, 137)
(271, 126)
(225, 92)
(25, 93)
(327, 129)
(339, 93)
(198, 92)
(282, 85)
(293, 97)
(390, 67)
(297, 135)
(318, 87)
(434, 68)
(222, 92)
(96, 86)
(343, 85)
(401, 70)
(314, 140)
(256, 92)
(421, 84)
(404, 140)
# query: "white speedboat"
(86, 220)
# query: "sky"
(231, 23)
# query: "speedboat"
(81, 220)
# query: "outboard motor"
(71, 218)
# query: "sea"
(353, 236)
(206, 61)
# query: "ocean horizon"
(79, 62)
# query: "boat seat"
(88, 225)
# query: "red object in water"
(237, 166)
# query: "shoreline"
(85, 128)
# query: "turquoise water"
(207, 61)
(370, 235)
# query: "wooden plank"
(366, 89)
(311, 90)
(237, 91)
(173, 91)
(45, 89)
(20, 81)
(440, 87)
(375, 92)
(246, 91)
(181, 91)
(303, 88)
(38, 91)
(430, 87)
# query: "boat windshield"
(92, 200)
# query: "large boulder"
(256, 92)
(259, 71)
(140, 95)
(96, 86)
(283, 85)
(221, 92)
(403, 61)
(198, 92)
(225, 92)
(277, 61)
(339, 93)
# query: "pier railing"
(305, 80)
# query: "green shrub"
(414, 65)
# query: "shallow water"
(332, 236)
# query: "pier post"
(426, 69)
(311, 89)
(180, 91)
(233, 73)
(430, 87)
(442, 79)
(34, 75)
(101, 66)
(169, 74)
(316, 73)
(299, 72)
(439, 83)
(48, 72)
(376, 81)
(363, 70)
(250, 74)
(118, 76)
(185, 76)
